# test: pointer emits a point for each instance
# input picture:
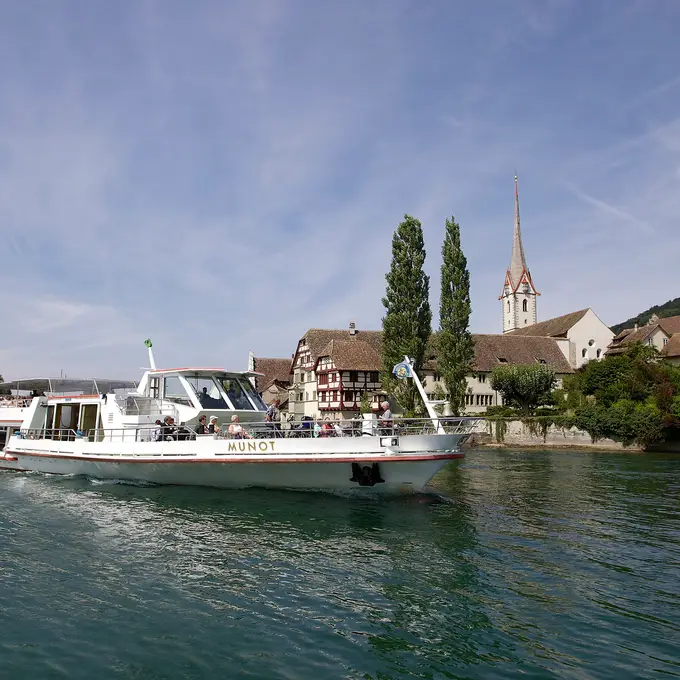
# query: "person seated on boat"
(386, 418)
(158, 432)
(326, 429)
(201, 427)
(236, 429)
(339, 432)
(213, 427)
(169, 428)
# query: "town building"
(582, 336)
(656, 333)
(519, 295)
(275, 381)
(332, 369)
(499, 350)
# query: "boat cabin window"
(254, 396)
(174, 390)
(154, 387)
(207, 391)
(242, 395)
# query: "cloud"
(222, 177)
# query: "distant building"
(518, 298)
(581, 335)
(276, 380)
(499, 350)
(656, 333)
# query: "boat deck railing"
(400, 427)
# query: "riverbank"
(538, 434)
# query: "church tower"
(519, 295)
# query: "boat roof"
(89, 385)
(199, 369)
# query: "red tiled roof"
(552, 328)
(273, 369)
(672, 347)
(352, 355)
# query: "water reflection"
(502, 570)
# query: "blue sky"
(222, 176)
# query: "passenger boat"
(111, 431)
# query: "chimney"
(636, 326)
(352, 328)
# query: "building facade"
(581, 335)
(519, 295)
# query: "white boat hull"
(235, 464)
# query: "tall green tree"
(407, 323)
(456, 348)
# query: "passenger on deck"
(158, 432)
(213, 428)
(274, 415)
(236, 430)
(386, 418)
(169, 428)
(201, 428)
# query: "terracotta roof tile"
(318, 339)
(273, 369)
(353, 355)
(552, 328)
(514, 349)
(623, 341)
(670, 324)
(672, 347)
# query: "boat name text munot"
(251, 446)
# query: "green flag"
(147, 343)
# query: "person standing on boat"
(274, 416)
(386, 418)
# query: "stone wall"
(508, 433)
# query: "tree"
(438, 394)
(407, 323)
(456, 348)
(524, 387)
(634, 398)
(365, 405)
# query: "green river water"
(522, 565)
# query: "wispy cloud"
(223, 176)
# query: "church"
(331, 371)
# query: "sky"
(222, 176)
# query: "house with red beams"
(332, 369)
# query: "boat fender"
(365, 475)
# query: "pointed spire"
(518, 264)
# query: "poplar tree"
(407, 323)
(456, 347)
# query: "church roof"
(552, 328)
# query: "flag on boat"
(147, 343)
(403, 370)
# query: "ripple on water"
(544, 565)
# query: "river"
(519, 564)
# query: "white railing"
(399, 427)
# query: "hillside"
(670, 308)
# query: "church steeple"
(519, 294)
(518, 263)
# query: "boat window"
(254, 396)
(174, 390)
(236, 394)
(207, 392)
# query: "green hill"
(670, 308)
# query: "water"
(539, 565)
